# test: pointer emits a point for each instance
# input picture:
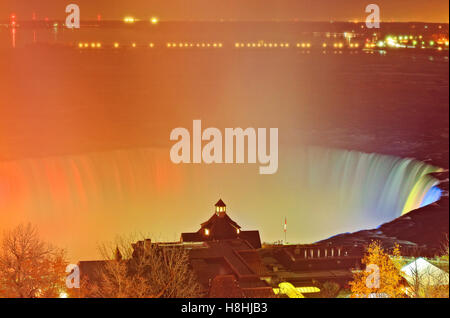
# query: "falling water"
(382, 185)
(322, 192)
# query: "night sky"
(312, 10)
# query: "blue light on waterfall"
(433, 195)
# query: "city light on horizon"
(154, 20)
(129, 20)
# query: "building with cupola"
(221, 227)
(230, 262)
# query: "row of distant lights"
(287, 45)
(90, 45)
(256, 45)
(131, 20)
(192, 45)
(151, 45)
(97, 45)
(240, 45)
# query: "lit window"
(238, 231)
(206, 232)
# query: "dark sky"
(324, 10)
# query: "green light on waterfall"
(424, 183)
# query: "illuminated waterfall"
(79, 200)
(382, 185)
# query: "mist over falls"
(322, 192)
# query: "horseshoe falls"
(374, 186)
(322, 192)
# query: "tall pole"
(285, 229)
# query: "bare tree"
(29, 267)
(427, 282)
(430, 281)
(145, 270)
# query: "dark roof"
(254, 261)
(228, 257)
(220, 203)
(234, 257)
(223, 218)
(222, 227)
(252, 237)
(191, 237)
